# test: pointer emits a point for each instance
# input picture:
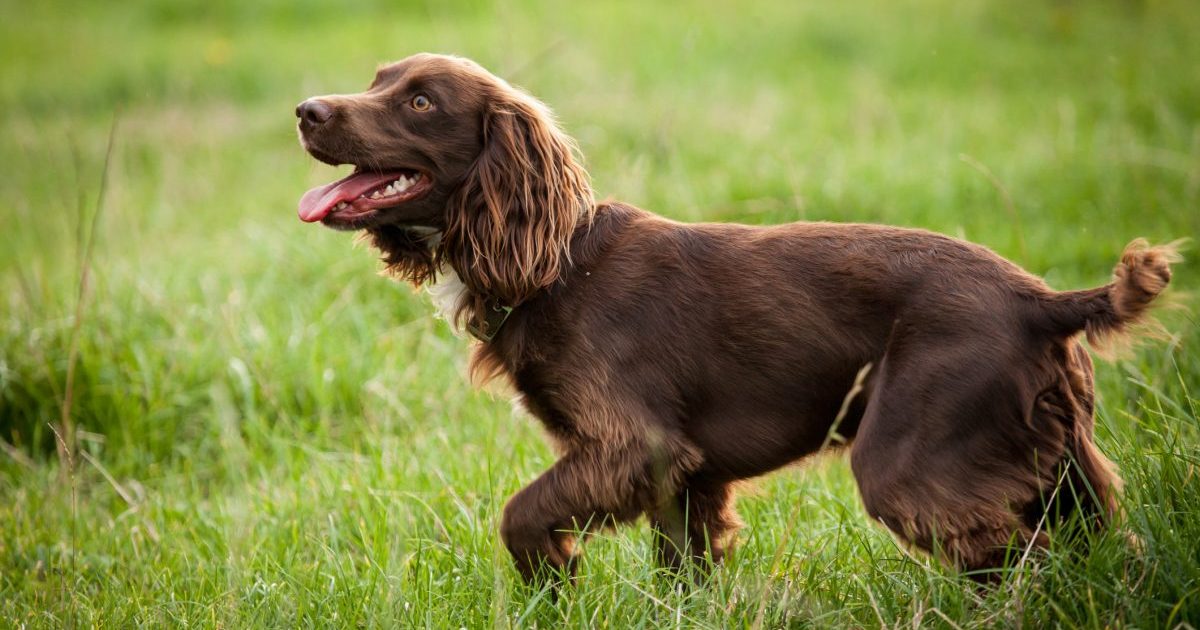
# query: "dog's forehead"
(427, 66)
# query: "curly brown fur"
(668, 361)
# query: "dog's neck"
(450, 294)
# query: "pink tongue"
(317, 203)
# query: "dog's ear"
(509, 226)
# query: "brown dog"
(668, 361)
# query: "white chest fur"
(447, 294)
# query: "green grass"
(271, 434)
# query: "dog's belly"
(750, 435)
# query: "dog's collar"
(495, 314)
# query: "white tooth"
(377, 194)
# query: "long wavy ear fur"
(509, 226)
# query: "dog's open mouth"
(361, 194)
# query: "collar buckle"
(486, 330)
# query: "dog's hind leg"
(1090, 482)
(946, 455)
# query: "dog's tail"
(1106, 312)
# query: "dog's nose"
(314, 111)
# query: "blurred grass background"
(268, 433)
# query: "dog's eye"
(421, 103)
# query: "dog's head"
(441, 146)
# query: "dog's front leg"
(587, 489)
(695, 524)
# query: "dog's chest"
(447, 295)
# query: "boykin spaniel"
(667, 360)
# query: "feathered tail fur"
(1106, 313)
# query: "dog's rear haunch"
(668, 361)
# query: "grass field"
(267, 433)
